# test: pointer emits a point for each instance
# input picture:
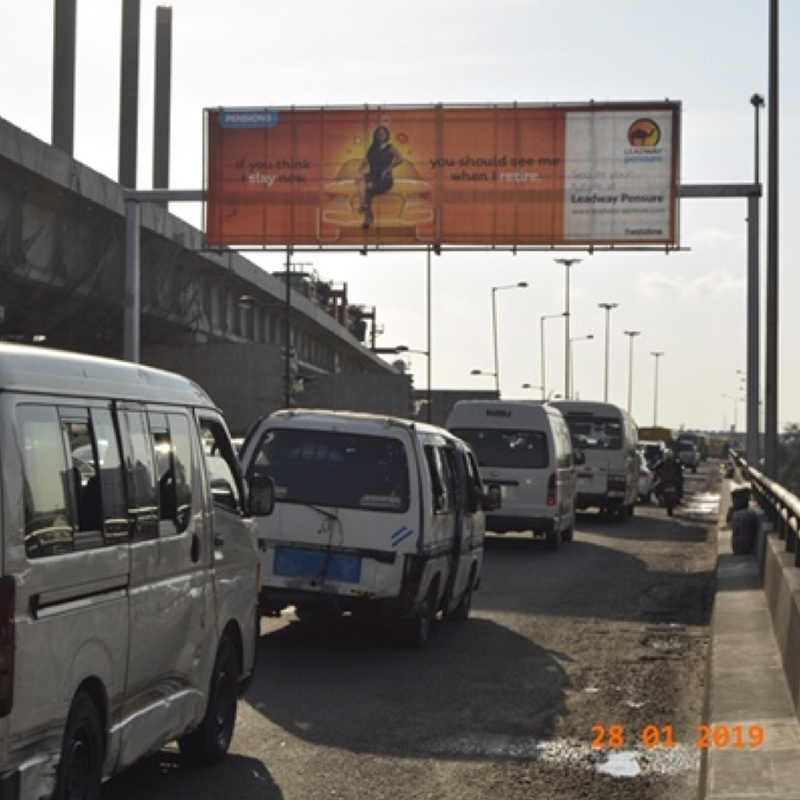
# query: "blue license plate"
(293, 562)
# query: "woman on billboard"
(375, 173)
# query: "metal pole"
(287, 337)
(132, 312)
(494, 339)
(567, 262)
(752, 442)
(632, 335)
(771, 376)
(567, 344)
(753, 445)
(655, 389)
(541, 360)
(429, 345)
(607, 307)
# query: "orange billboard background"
(483, 176)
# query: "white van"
(128, 572)
(608, 438)
(372, 514)
(524, 448)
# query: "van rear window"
(342, 470)
(496, 447)
(595, 433)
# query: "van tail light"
(551, 490)
(7, 644)
(616, 483)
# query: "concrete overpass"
(212, 315)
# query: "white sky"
(712, 56)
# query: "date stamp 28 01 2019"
(720, 737)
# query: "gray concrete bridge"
(212, 315)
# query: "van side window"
(474, 484)
(111, 478)
(73, 490)
(221, 464)
(141, 477)
(46, 480)
(563, 442)
(173, 451)
(179, 427)
(84, 483)
(442, 479)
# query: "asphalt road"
(580, 674)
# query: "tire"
(209, 743)
(415, 631)
(80, 769)
(461, 612)
(568, 534)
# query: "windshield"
(506, 448)
(343, 470)
(595, 433)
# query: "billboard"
(485, 176)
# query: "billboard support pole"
(133, 225)
(751, 191)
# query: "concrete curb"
(747, 689)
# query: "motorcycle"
(669, 496)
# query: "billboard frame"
(591, 116)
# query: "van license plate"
(292, 562)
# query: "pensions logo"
(644, 133)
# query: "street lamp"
(571, 360)
(486, 372)
(495, 289)
(632, 335)
(428, 392)
(541, 342)
(567, 262)
(607, 307)
(657, 355)
(287, 336)
(735, 410)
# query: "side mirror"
(262, 495)
(578, 457)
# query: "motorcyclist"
(668, 470)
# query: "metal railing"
(781, 507)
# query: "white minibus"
(524, 448)
(373, 515)
(128, 571)
(608, 438)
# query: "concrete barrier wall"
(781, 581)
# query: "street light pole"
(287, 375)
(571, 359)
(495, 289)
(541, 343)
(567, 262)
(657, 354)
(632, 335)
(607, 307)
(735, 411)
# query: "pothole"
(628, 763)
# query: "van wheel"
(461, 612)
(415, 631)
(209, 743)
(80, 769)
(568, 534)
